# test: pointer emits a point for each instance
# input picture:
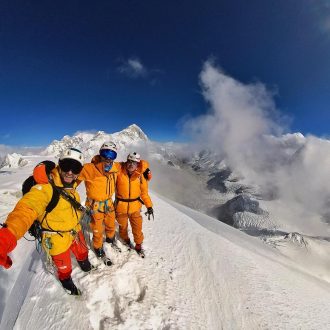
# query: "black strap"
(69, 198)
(130, 200)
(53, 202)
(57, 191)
(56, 231)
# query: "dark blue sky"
(80, 65)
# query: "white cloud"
(242, 126)
(240, 116)
(133, 68)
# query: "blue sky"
(68, 66)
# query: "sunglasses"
(67, 165)
(108, 154)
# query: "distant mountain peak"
(134, 131)
(90, 142)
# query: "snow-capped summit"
(131, 133)
(90, 143)
(13, 160)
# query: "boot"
(113, 242)
(110, 240)
(139, 250)
(99, 252)
(127, 242)
(101, 255)
(85, 265)
(70, 287)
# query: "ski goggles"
(132, 162)
(67, 165)
(108, 154)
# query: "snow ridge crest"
(89, 143)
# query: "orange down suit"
(130, 190)
(100, 187)
(62, 230)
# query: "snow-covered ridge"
(90, 143)
(241, 282)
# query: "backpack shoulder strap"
(54, 200)
(28, 184)
(75, 204)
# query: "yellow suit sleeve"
(31, 206)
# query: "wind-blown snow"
(198, 274)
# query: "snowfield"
(198, 274)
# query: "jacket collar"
(97, 161)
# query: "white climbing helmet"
(134, 156)
(108, 151)
(109, 146)
(73, 153)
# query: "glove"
(7, 244)
(35, 229)
(147, 174)
(150, 211)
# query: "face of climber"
(131, 166)
(68, 177)
(107, 157)
(107, 161)
(70, 170)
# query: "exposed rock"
(241, 203)
(217, 181)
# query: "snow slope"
(198, 274)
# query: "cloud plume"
(244, 127)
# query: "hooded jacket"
(100, 185)
(131, 189)
(60, 225)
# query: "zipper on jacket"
(107, 188)
(129, 191)
(107, 191)
(112, 179)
